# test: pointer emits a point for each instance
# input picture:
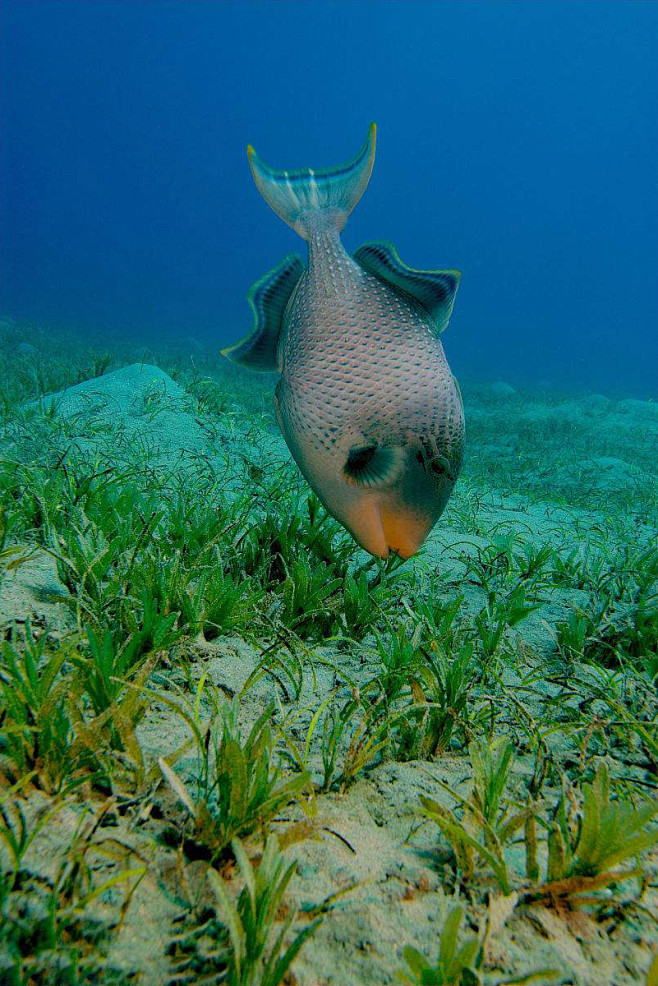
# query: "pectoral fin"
(435, 290)
(372, 466)
(268, 298)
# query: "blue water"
(518, 142)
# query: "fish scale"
(366, 400)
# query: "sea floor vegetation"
(236, 749)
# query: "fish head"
(387, 489)
(398, 512)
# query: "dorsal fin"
(435, 290)
(268, 298)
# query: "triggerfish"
(365, 399)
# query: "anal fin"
(268, 298)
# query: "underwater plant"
(440, 689)
(47, 934)
(461, 966)
(238, 786)
(252, 954)
(486, 825)
(586, 851)
(36, 727)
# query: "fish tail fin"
(298, 196)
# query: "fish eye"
(441, 467)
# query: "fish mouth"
(404, 531)
(381, 527)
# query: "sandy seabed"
(574, 474)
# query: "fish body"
(365, 400)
